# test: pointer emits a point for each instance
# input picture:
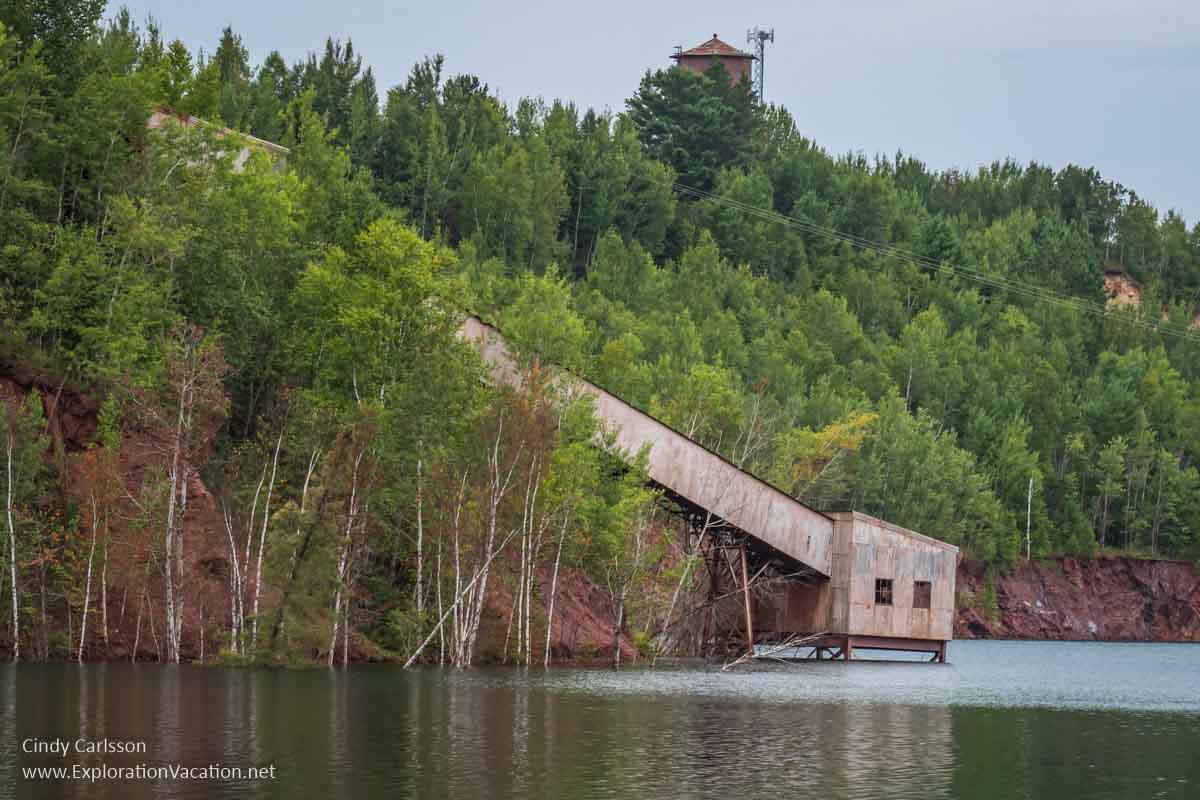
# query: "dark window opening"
(883, 591)
(922, 594)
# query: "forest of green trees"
(864, 333)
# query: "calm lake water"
(1002, 720)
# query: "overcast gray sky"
(1095, 82)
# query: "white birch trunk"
(441, 633)
(124, 597)
(420, 546)
(525, 578)
(137, 636)
(562, 535)
(457, 630)
(279, 623)
(169, 533)
(12, 549)
(246, 559)
(337, 610)
(457, 637)
(346, 635)
(45, 622)
(619, 618)
(499, 488)
(458, 598)
(1028, 517)
(87, 592)
(262, 545)
(342, 560)
(180, 597)
(235, 588)
(104, 587)
(154, 633)
(528, 607)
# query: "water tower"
(700, 58)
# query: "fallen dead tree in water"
(790, 643)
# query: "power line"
(1021, 288)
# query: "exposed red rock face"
(1110, 598)
(1125, 291)
(582, 627)
(72, 418)
(1122, 289)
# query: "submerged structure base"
(842, 646)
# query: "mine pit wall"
(1111, 598)
(866, 549)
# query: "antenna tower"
(758, 38)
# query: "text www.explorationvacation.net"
(148, 772)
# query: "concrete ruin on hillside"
(244, 142)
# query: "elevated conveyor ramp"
(688, 469)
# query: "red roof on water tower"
(713, 47)
(700, 58)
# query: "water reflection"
(1110, 722)
(9, 736)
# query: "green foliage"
(515, 202)
(61, 29)
(817, 466)
(99, 310)
(913, 473)
(695, 123)
(987, 597)
(541, 322)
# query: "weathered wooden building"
(889, 588)
(847, 579)
(698, 59)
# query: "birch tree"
(24, 443)
(624, 542)
(103, 490)
(182, 415)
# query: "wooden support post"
(848, 650)
(710, 563)
(746, 597)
